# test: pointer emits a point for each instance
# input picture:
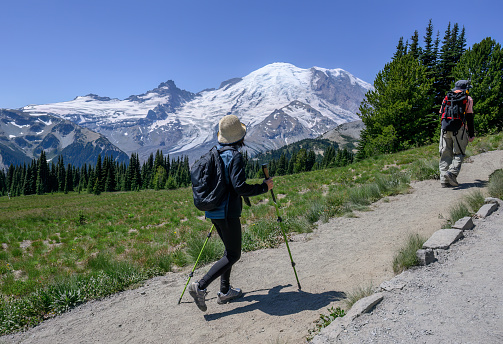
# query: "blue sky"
(52, 51)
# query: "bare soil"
(332, 261)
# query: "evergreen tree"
(60, 173)
(415, 50)
(160, 178)
(311, 159)
(76, 178)
(14, 181)
(10, 177)
(26, 180)
(483, 65)
(68, 179)
(133, 173)
(42, 175)
(401, 49)
(291, 163)
(97, 184)
(394, 113)
(282, 165)
(429, 55)
(3, 182)
(451, 51)
(328, 157)
(300, 161)
(53, 178)
(147, 172)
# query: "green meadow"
(60, 250)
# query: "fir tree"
(401, 49)
(429, 55)
(483, 65)
(97, 184)
(60, 173)
(300, 161)
(415, 49)
(311, 159)
(282, 165)
(68, 179)
(394, 112)
(3, 182)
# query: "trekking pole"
(192, 272)
(280, 220)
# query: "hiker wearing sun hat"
(226, 217)
(457, 122)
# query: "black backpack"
(453, 111)
(209, 187)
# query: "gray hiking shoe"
(232, 294)
(446, 185)
(451, 179)
(198, 296)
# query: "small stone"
(443, 238)
(486, 210)
(392, 284)
(466, 223)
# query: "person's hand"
(269, 183)
(470, 139)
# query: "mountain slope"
(23, 136)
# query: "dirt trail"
(333, 260)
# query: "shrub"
(326, 320)
(262, 234)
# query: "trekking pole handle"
(265, 170)
(266, 174)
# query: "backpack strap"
(219, 151)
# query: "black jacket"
(232, 207)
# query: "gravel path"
(459, 299)
(337, 257)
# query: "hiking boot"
(451, 179)
(198, 296)
(232, 294)
(446, 185)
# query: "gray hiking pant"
(452, 151)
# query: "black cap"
(462, 85)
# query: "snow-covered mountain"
(23, 136)
(280, 103)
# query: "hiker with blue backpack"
(457, 130)
(218, 184)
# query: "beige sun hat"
(230, 130)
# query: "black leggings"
(230, 233)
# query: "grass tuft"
(495, 186)
(424, 169)
(474, 200)
(358, 293)
(213, 250)
(406, 256)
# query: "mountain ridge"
(308, 102)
